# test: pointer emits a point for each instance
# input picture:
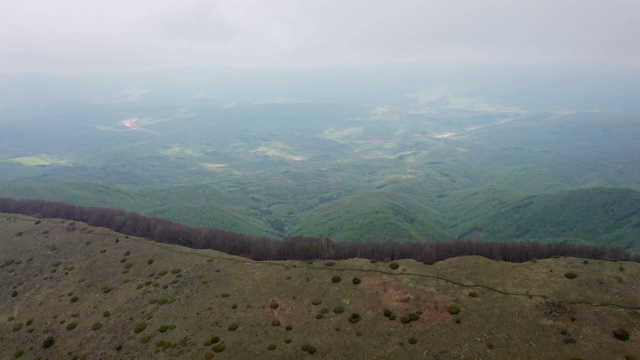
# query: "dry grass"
(521, 311)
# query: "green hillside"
(605, 216)
(376, 215)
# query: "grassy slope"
(528, 311)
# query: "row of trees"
(301, 248)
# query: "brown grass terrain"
(56, 274)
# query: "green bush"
(215, 340)
(338, 309)
(219, 347)
(319, 316)
(71, 326)
(233, 327)
(163, 328)
(209, 355)
(355, 317)
(17, 327)
(145, 339)
(621, 334)
(289, 328)
(140, 328)
(394, 265)
(453, 310)
(224, 295)
(96, 326)
(412, 341)
(271, 347)
(150, 261)
(329, 263)
(18, 353)
(629, 357)
(275, 323)
(48, 342)
(316, 301)
(308, 348)
(30, 321)
(387, 312)
(570, 275)
(336, 279)
(274, 305)
(473, 294)
(356, 280)
(106, 314)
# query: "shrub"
(233, 327)
(275, 323)
(629, 357)
(308, 348)
(287, 340)
(215, 340)
(224, 295)
(414, 317)
(128, 265)
(176, 271)
(319, 316)
(394, 265)
(356, 280)
(338, 309)
(329, 263)
(271, 347)
(74, 299)
(336, 279)
(316, 301)
(289, 328)
(163, 301)
(209, 355)
(274, 305)
(473, 294)
(150, 261)
(412, 341)
(145, 339)
(96, 326)
(71, 326)
(621, 334)
(30, 321)
(387, 312)
(106, 314)
(355, 317)
(569, 341)
(206, 342)
(140, 328)
(453, 310)
(48, 342)
(17, 327)
(163, 328)
(570, 275)
(219, 347)
(18, 353)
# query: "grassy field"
(73, 291)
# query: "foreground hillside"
(73, 291)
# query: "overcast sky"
(75, 36)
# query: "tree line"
(302, 247)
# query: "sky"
(81, 36)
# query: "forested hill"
(606, 216)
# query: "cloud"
(78, 36)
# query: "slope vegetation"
(75, 291)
